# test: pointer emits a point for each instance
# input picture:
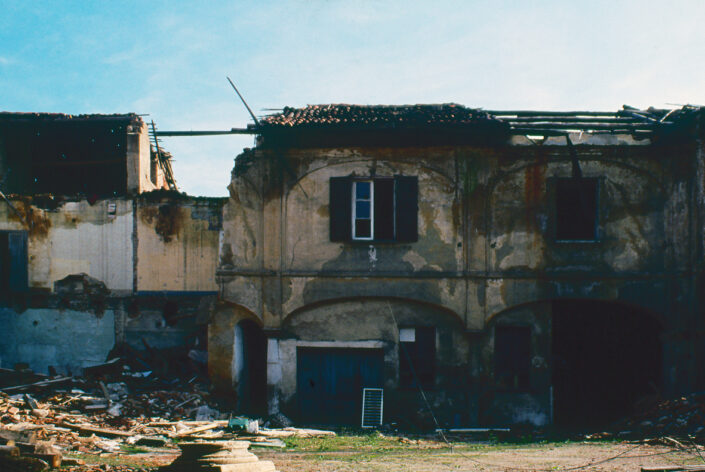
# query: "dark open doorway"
(605, 357)
(251, 366)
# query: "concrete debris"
(48, 420)
(682, 417)
(221, 456)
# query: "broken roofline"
(628, 120)
(453, 117)
(9, 116)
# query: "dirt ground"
(429, 456)
(362, 453)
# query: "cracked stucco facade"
(485, 254)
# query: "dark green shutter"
(340, 207)
(407, 208)
(17, 245)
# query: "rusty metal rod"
(207, 133)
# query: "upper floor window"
(576, 209)
(377, 209)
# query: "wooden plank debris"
(38, 385)
(104, 432)
(199, 429)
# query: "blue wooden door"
(330, 382)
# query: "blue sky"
(170, 59)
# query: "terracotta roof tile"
(374, 116)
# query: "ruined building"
(519, 266)
(539, 267)
(96, 246)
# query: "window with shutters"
(376, 209)
(13, 262)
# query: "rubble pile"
(111, 411)
(680, 417)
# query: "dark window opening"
(382, 209)
(13, 262)
(576, 209)
(417, 354)
(170, 312)
(512, 354)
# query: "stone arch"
(501, 175)
(305, 212)
(382, 299)
(650, 295)
(361, 160)
(344, 331)
(520, 219)
(222, 364)
(645, 308)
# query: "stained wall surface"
(486, 248)
(178, 245)
(76, 237)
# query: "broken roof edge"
(46, 116)
(638, 123)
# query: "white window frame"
(372, 210)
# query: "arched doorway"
(606, 356)
(251, 368)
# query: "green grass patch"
(132, 449)
(345, 442)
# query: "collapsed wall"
(95, 274)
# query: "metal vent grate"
(372, 407)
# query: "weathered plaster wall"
(164, 300)
(76, 237)
(485, 225)
(486, 249)
(177, 245)
(65, 339)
